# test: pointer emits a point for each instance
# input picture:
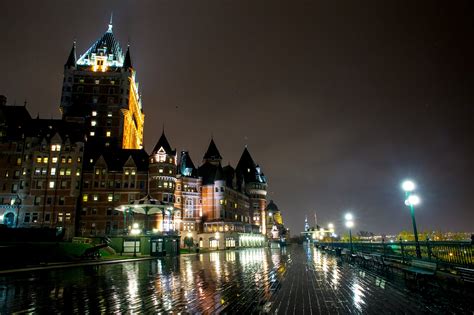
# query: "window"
(93, 123)
(68, 217)
(37, 200)
(61, 171)
(45, 159)
(110, 198)
(92, 133)
(109, 114)
(64, 184)
(107, 134)
(16, 174)
(160, 170)
(60, 217)
(61, 200)
(14, 188)
(44, 171)
(127, 172)
(69, 160)
(27, 217)
(97, 171)
(49, 200)
(96, 198)
(38, 159)
(85, 197)
(221, 201)
(54, 159)
(37, 171)
(78, 172)
(47, 217)
(63, 159)
(98, 81)
(56, 147)
(51, 184)
(18, 161)
(68, 172)
(53, 170)
(133, 172)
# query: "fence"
(453, 253)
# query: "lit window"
(53, 171)
(133, 172)
(92, 133)
(165, 184)
(78, 172)
(97, 81)
(221, 201)
(85, 197)
(18, 161)
(61, 171)
(127, 172)
(56, 147)
(160, 170)
(93, 123)
(110, 198)
(96, 197)
(54, 159)
(45, 159)
(51, 184)
(38, 159)
(94, 113)
(68, 172)
(109, 114)
(107, 134)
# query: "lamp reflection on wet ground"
(294, 280)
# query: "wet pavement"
(297, 280)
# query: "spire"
(163, 143)
(110, 23)
(71, 60)
(128, 61)
(212, 153)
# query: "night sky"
(338, 101)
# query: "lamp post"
(411, 201)
(349, 224)
(17, 202)
(331, 231)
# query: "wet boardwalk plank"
(297, 280)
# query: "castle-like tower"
(253, 182)
(100, 89)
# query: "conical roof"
(272, 206)
(186, 165)
(128, 61)
(163, 143)
(71, 60)
(212, 152)
(248, 170)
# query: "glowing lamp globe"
(348, 217)
(408, 185)
(349, 224)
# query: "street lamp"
(349, 224)
(411, 201)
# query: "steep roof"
(272, 206)
(108, 46)
(117, 158)
(248, 170)
(14, 120)
(212, 152)
(229, 174)
(210, 173)
(128, 60)
(71, 60)
(186, 166)
(163, 143)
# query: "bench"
(420, 269)
(466, 274)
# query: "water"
(295, 280)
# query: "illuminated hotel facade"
(100, 142)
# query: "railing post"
(428, 248)
(384, 247)
(402, 251)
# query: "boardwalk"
(296, 281)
